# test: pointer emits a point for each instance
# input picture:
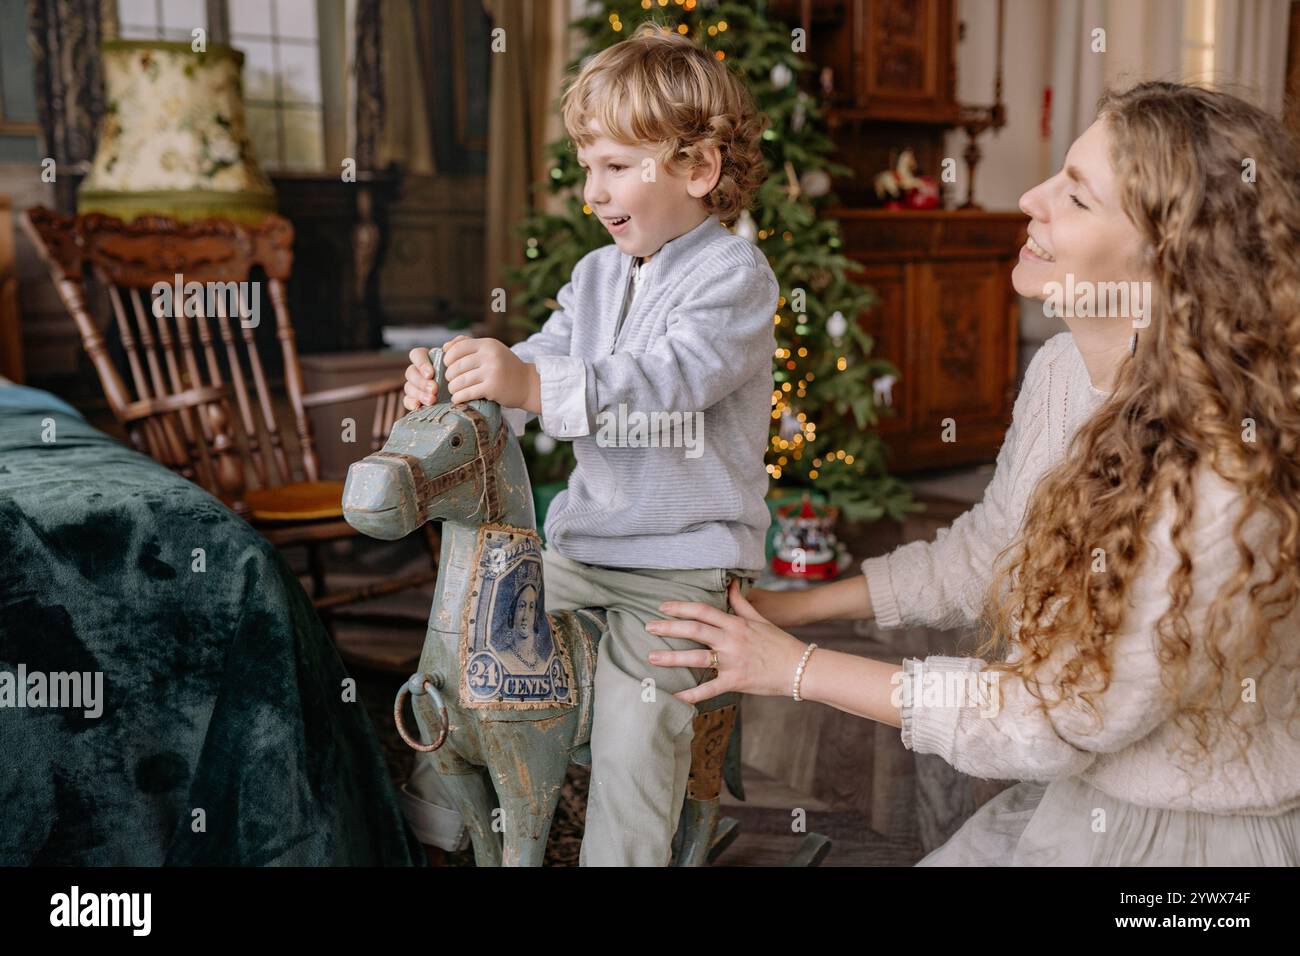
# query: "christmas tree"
(823, 404)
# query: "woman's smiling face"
(1077, 226)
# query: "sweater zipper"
(622, 308)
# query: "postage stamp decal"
(511, 655)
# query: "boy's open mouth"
(617, 222)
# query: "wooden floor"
(766, 835)
(846, 778)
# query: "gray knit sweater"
(668, 410)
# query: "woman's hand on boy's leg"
(753, 655)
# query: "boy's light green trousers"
(641, 734)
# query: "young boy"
(672, 323)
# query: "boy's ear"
(705, 176)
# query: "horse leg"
(699, 820)
(700, 810)
(528, 759)
(467, 786)
(472, 794)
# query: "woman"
(1134, 559)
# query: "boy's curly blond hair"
(657, 87)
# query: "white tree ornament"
(746, 227)
(800, 114)
(815, 182)
(883, 389)
(789, 425)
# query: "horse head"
(444, 462)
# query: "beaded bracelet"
(798, 671)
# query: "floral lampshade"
(174, 141)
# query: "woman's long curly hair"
(1223, 346)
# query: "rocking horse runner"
(504, 690)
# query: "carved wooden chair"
(199, 399)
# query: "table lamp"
(174, 141)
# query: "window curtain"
(1144, 41)
(523, 116)
(406, 138)
(366, 83)
(64, 37)
(1250, 38)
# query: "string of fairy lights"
(787, 376)
(806, 434)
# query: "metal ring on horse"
(416, 685)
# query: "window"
(160, 19)
(282, 80)
(292, 94)
(17, 87)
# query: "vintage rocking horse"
(504, 689)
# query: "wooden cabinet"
(885, 75)
(948, 318)
(885, 59)
(333, 292)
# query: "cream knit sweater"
(941, 584)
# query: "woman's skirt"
(1068, 822)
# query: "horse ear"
(488, 409)
(439, 375)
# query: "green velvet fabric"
(221, 690)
